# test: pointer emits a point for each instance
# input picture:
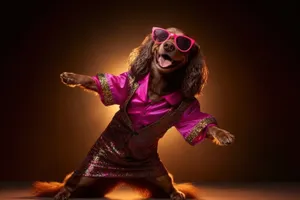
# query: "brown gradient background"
(47, 128)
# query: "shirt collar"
(173, 98)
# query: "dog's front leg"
(78, 80)
(220, 136)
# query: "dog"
(173, 62)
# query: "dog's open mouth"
(165, 61)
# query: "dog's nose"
(169, 46)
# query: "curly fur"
(195, 73)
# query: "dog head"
(167, 55)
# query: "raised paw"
(69, 79)
(63, 194)
(177, 195)
(221, 137)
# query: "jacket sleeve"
(193, 123)
(112, 89)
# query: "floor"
(258, 191)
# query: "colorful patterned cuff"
(104, 90)
(198, 133)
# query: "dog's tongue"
(164, 62)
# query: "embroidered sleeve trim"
(107, 96)
(197, 130)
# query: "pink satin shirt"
(113, 90)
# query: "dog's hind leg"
(166, 184)
(88, 187)
(74, 186)
(174, 191)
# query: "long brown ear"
(196, 73)
(140, 58)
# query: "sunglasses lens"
(183, 43)
(160, 35)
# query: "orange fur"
(190, 191)
(142, 191)
(48, 189)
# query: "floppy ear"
(141, 57)
(196, 73)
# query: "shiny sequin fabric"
(122, 152)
